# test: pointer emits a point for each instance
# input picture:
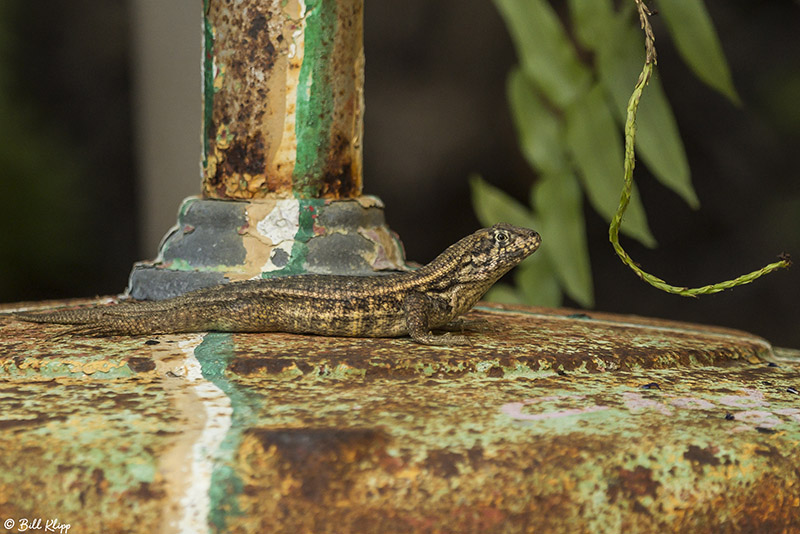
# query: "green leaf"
(658, 141)
(503, 294)
(538, 283)
(492, 205)
(596, 146)
(540, 130)
(695, 38)
(544, 49)
(558, 201)
(592, 21)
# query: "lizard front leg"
(418, 309)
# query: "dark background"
(436, 112)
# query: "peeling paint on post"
(216, 242)
(283, 98)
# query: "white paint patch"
(280, 226)
(515, 409)
(196, 502)
(258, 74)
(282, 223)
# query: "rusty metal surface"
(283, 98)
(553, 421)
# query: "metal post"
(283, 109)
(283, 98)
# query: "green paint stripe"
(315, 97)
(308, 210)
(214, 355)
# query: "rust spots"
(257, 25)
(339, 178)
(496, 372)
(141, 365)
(298, 446)
(444, 463)
(633, 484)
(701, 457)
(771, 504)
(267, 366)
(238, 167)
(10, 424)
(244, 157)
(315, 460)
(769, 451)
(147, 492)
(99, 480)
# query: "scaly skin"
(333, 305)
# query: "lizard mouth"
(531, 243)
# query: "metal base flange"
(217, 241)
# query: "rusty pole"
(283, 98)
(283, 103)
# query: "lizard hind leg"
(418, 309)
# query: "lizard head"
(491, 252)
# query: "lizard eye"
(501, 237)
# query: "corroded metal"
(551, 422)
(217, 242)
(282, 128)
(283, 98)
(283, 123)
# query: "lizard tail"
(76, 316)
(127, 318)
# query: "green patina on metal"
(185, 206)
(547, 422)
(593, 452)
(85, 443)
(596, 451)
(88, 359)
(315, 98)
(66, 452)
(307, 216)
(214, 355)
(181, 264)
(96, 366)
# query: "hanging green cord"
(630, 136)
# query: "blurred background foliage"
(438, 76)
(568, 98)
(66, 157)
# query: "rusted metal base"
(552, 421)
(216, 241)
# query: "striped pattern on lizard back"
(336, 305)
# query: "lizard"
(408, 303)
